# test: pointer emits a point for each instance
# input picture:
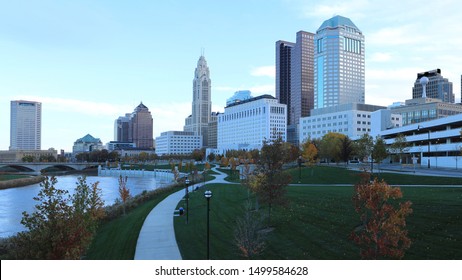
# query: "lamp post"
(187, 200)
(299, 169)
(428, 160)
(208, 195)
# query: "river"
(16, 200)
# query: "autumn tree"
(270, 181)
(124, 192)
(309, 154)
(382, 232)
(62, 226)
(329, 146)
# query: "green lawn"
(116, 239)
(340, 175)
(6, 177)
(317, 222)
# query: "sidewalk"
(157, 236)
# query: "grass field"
(317, 222)
(116, 239)
(6, 177)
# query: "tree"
(379, 151)
(197, 155)
(382, 232)
(309, 153)
(248, 236)
(270, 181)
(211, 157)
(124, 192)
(364, 146)
(400, 146)
(61, 227)
(329, 146)
(346, 149)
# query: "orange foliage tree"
(123, 191)
(382, 233)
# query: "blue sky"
(91, 61)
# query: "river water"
(16, 200)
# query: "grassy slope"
(116, 239)
(317, 223)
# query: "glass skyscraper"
(25, 125)
(339, 63)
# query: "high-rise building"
(283, 74)
(121, 128)
(25, 125)
(338, 63)
(295, 79)
(202, 101)
(140, 131)
(437, 86)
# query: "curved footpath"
(157, 236)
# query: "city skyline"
(89, 63)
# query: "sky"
(90, 61)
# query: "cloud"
(380, 57)
(263, 89)
(264, 71)
(351, 9)
(84, 107)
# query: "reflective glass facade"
(339, 63)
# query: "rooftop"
(338, 21)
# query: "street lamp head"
(208, 194)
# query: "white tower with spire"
(202, 101)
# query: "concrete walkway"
(157, 236)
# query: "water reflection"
(14, 201)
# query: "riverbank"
(21, 182)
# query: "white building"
(435, 143)
(25, 125)
(177, 143)
(384, 119)
(352, 119)
(245, 124)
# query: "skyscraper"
(339, 63)
(121, 128)
(295, 79)
(25, 125)
(437, 87)
(283, 74)
(202, 101)
(140, 131)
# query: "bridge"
(39, 166)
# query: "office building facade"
(295, 79)
(141, 128)
(437, 86)
(339, 63)
(353, 120)
(25, 125)
(177, 143)
(121, 128)
(245, 125)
